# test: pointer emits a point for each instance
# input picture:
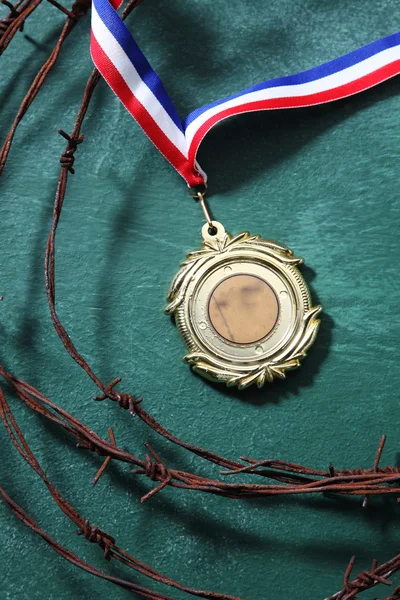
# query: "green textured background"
(322, 180)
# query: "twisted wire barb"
(368, 579)
(22, 9)
(10, 18)
(7, 21)
(73, 558)
(15, 20)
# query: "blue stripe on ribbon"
(121, 33)
(333, 66)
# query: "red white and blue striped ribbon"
(127, 71)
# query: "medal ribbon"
(127, 71)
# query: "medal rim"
(219, 365)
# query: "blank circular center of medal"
(243, 309)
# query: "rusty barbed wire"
(78, 10)
(291, 478)
(91, 533)
(155, 469)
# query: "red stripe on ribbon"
(116, 3)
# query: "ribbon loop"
(127, 71)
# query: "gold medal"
(242, 307)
